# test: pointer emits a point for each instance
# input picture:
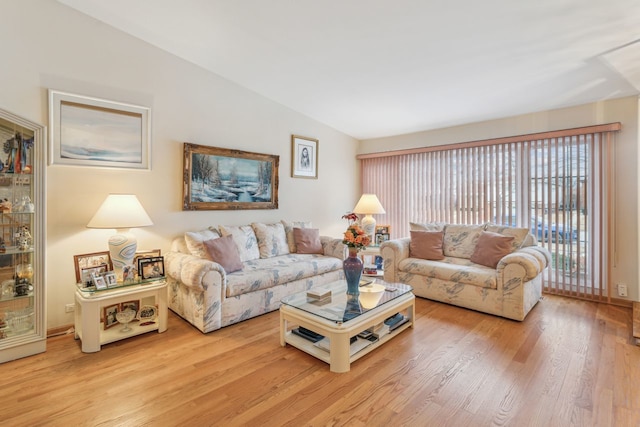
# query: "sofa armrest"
(392, 252)
(333, 247)
(532, 259)
(191, 270)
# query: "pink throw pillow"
(491, 248)
(426, 245)
(223, 251)
(307, 241)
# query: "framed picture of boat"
(225, 179)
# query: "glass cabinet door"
(22, 287)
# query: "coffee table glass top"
(341, 307)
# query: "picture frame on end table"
(109, 313)
(151, 268)
(94, 259)
(304, 157)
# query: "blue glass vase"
(352, 267)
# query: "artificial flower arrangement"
(355, 237)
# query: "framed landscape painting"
(89, 131)
(225, 179)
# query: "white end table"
(89, 310)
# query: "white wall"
(627, 154)
(47, 45)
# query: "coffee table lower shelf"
(339, 356)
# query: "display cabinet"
(22, 237)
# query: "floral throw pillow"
(195, 239)
(272, 240)
(245, 240)
(460, 240)
(288, 229)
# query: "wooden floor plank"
(569, 363)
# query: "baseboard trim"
(60, 330)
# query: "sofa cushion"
(245, 240)
(307, 240)
(288, 230)
(265, 273)
(519, 234)
(223, 251)
(491, 248)
(271, 239)
(460, 240)
(195, 240)
(452, 269)
(426, 245)
(433, 226)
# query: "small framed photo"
(99, 282)
(131, 305)
(110, 315)
(110, 279)
(380, 238)
(95, 259)
(87, 274)
(150, 268)
(304, 157)
(383, 229)
(145, 254)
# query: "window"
(555, 184)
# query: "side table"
(371, 252)
(89, 313)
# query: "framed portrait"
(144, 254)
(99, 282)
(224, 179)
(110, 279)
(88, 131)
(87, 274)
(304, 157)
(95, 259)
(381, 237)
(151, 268)
(132, 305)
(109, 315)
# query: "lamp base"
(122, 249)
(368, 224)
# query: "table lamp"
(122, 212)
(369, 205)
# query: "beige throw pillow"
(426, 245)
(491, 248)
(195, 239)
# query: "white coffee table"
(340, 319)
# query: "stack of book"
(390, 324)
(319, 294)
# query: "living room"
(52, 46)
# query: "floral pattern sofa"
(204, 294)
(510, 290)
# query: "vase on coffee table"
(352, 267)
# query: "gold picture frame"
(304, 157)
(223, 179)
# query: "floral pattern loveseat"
(204, 294)
(510, 290)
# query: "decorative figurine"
(23, 238)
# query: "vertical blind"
(556, 184)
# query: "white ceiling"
(373, 68)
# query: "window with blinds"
(556, 184)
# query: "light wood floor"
(570, 363)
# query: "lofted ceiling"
(374, 68)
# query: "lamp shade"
(368, 205)
(120, 211)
